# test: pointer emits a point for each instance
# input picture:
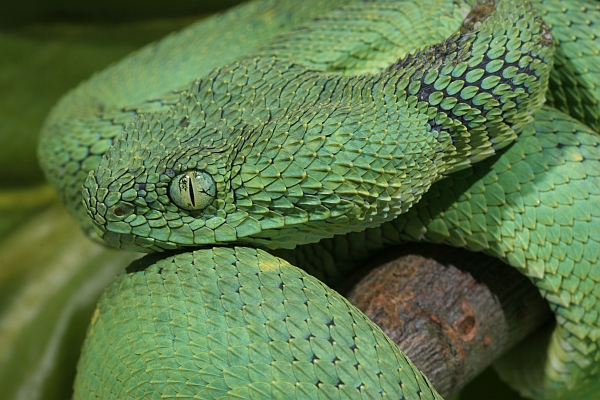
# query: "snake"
(266, 152)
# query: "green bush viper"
(317, 132)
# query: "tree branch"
(451, 311)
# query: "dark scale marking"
(469, 102)
(435, 127)
(184, 122)
(170, 172)
(425, 91)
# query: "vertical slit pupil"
(191, 191)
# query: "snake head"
(159, 188)
(296, 178)
(168, 183)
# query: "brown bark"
(451, 311)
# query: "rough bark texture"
(452, 312)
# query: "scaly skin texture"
(536, 207)
(237, 323)
(300, 154)
(331, 130)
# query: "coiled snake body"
(283, 124)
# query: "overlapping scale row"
(236, 322)
(486, 95)
(366, 37)
(574, 80)
(299, 154)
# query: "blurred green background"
(50, 274)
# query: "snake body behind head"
(333, 123)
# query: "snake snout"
(107, 208)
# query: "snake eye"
(192, 190)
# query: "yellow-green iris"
(192, 190)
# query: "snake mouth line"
(127, 242)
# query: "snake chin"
(131, 243)
(115, 240)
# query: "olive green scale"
(332, 128)
(574, 84)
